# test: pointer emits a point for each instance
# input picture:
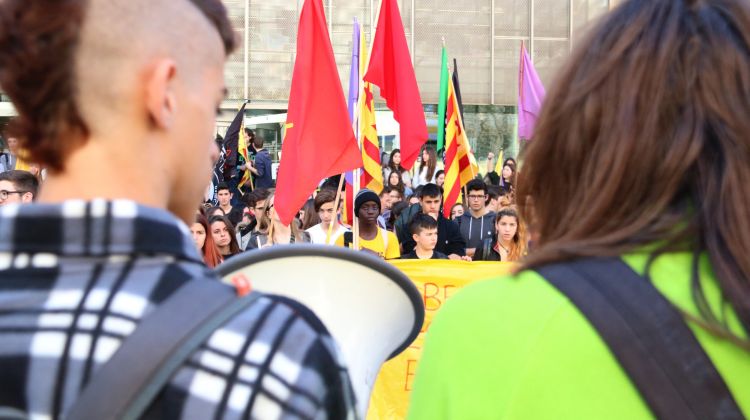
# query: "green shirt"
(516, 348)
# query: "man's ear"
(415, 237)
(161, 102)
(27, 197)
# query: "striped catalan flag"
(242, 145)
(372, 173)
(460, 164)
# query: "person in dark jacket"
(424, 231)
(262, 167)
(479, 222)
(449, 242)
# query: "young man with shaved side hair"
(96, 83)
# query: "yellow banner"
(437, 281)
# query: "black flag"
(457, 87)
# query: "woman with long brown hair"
(508, 178)
(394, 165)
(427, 168)
(635, 302)
(510, 241)
(307, 216)
(205, 241)
(224, 237)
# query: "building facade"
(484, 36)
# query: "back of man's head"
(117, 78)
(63, 63)
(258, 142)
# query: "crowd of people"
(635, 302)
(390, 222)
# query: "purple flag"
(354, 81)
(530, 96)
(354, 76)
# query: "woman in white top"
(427, 169)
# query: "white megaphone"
(371, 309)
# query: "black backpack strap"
(648, 337)
(127, 384)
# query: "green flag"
(443, 100)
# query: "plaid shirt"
(76, 279)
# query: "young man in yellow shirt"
(372, 238)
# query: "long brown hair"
(234, 247)
(431, 164)
(519, 245)
(395, 168)
(266, 225)
(211, 254)
(311, 216)
(643, 140)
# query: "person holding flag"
(262, 167)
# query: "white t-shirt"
(318, 234)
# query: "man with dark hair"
(260, 195)
(246, 227)
(396, 196)
(385, 198)
(262, 167)
(95, 83)
(494, 193)
(224, 196)
(325, 202)
(449, 242)
(424, 231)
(479, 222)
(17, 187)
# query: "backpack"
(648, 337)
(151, 355)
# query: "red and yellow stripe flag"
(460, 164)
(242, 145)
(372, 174)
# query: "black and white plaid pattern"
(76, 279)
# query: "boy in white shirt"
(324, 203)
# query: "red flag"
(391, 69)
(319, 140)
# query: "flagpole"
(357, 177)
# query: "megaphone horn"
(372, 310)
